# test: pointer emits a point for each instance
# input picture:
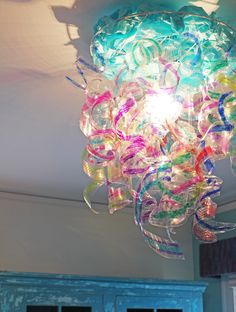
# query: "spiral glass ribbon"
(160, 110)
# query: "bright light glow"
(162, 108)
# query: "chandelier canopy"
(160, 110)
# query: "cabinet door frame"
(60, 299)
(152, 302)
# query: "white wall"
(55, 236)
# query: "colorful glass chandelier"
(160, 110)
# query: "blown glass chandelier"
(160, 110)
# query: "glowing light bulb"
(162, 108)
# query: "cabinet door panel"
(169, 310)
(41, 308)
(139, 310)
(152, 304)
(76, 309)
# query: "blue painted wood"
(17, 290)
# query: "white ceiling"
(41, 144)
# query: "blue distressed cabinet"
(25, 292)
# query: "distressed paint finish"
(17, 290)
